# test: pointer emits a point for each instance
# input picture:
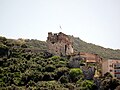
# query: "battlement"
(58, 37)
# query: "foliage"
(61, 71)
(55, 58)
(26, 65)
(33, 43)
(64, 79)
(110, 83)
(75, 74)
(70, 86)
(48, 76)
(50, 68)
(108, 75)
(86, 84)
(49, 85)
(3, 49)
(82, 46)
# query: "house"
(93, 59)
(112, 66)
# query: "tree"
(108, 75)
(75, 74)
(61, 71)
(3, 49)
(49, 85)
(49, 68)
(86, 85)
(109, 83)
(64, 79)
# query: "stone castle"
(59, 44)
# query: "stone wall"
(59, 44)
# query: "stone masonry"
(59, 44)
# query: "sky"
(93, 21)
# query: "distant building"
(86, 59)
(88, 62)
(112, 66)
(75, 61)
(59, 44)
(90, 58)
(93, 62)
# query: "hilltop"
(79, 46)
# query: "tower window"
(65, 48)
(52, 42)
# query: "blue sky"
(94, 21)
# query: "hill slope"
(25, 65)
(80, 46)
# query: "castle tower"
(59, 44)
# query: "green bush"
(16, 80)
(33, 75)
(47, 76)
(61, 64)
(3, 39)
(108, 75)
(75, 74)
(31, 83)
(109, 83)
(3, 49)
(85, 85)
(61, 71)
(64, 79)
(49, 68)
(70, 86)
(55, 58)
(49, 85)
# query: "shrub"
(75, 74)
(64, 79)
(3, 49)
(86, 85)
(49, 68)
(55, 58)
(61, 71)
(48, 76)
(108, 75)
(31, 83)
(16, 80)
(49, 85)
(70, 86)
(109, 83)
(61, 64)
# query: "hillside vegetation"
(26, 65)
(80, 46)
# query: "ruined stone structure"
(91, 58)
(59, 44)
